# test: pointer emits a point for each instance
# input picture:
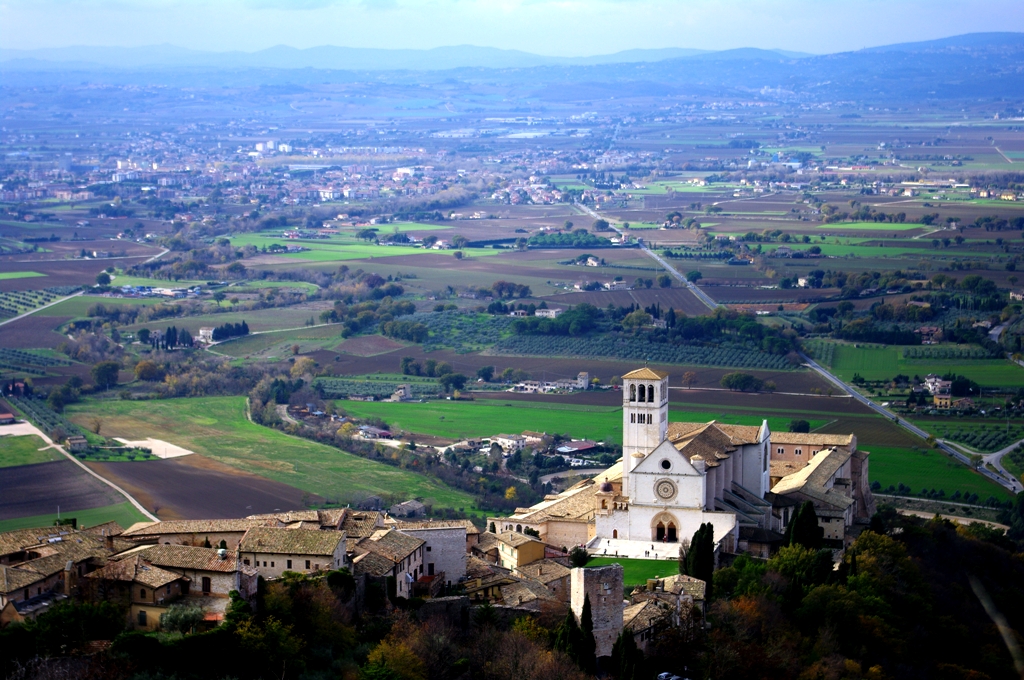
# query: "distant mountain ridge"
(339, 58)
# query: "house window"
(271, 564)
(780, 450)
(206, 585)
(289, 564)
(428, 548)
(307, 564)
(264, 563)
(246, 561)
(799, 452)
(430, 568)
(142, 593)
(142, 617)
(168, 591)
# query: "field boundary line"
(39, 309)
(115, 487)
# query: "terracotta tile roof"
(544, 571)
(195, 526)
(290, 541)
(487, 541)
(575, 504)
(645, 374)
(185, 557)
(478, 568)
(524, 591)
(106, 529)
(822, 440)
(681, 583)
(783, 468)
(515, 539)
(811, 481)
(373, 564)
(644, 615)
(135, 570)
(470, 528)
(361, 523)
(18, 540)
(392, 544)
(15, 578)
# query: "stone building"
(273, 550)
(603, 585)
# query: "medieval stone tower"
(604, 586)
(644, 417)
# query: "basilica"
(673, 477)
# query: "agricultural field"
(125, 514)
(218, 429)
(13, 303)
(923, 468)
(25, 450)
(278, 344)
(4, 276)
(42, 488)
(879, 362)
(338, 249)
(483, 418)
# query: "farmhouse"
(411, 508)
(7, 419)
(273, 551)
(76, 443)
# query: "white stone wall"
(445, 548)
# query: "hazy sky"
(554, 27)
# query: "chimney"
(108, 541)
(69, 577)
(698, 463)
(222, 553)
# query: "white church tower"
(644, 417)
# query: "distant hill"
(337, 58)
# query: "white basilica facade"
(672, 478)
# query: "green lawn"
(19, 275)
(928, 469)
(217, 427)
(884, 363)
(460, 419)
(24, 450)
(636, 572)
(124, 514)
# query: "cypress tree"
(588, 645)
(567, 637)
(627, 659)
(804, 529)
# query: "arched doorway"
(664, 529)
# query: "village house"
(551, 574)
(444, 546)
(208, 533)
(145, 589)
(391, 553)
(510, 442)
(410, 508)
(515, 549)
(273, 551)
(76, 443)
(552, 313)
(211, 574)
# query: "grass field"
(874, 226)
(279, 343)
(19, 275)
(24, 450)
(461, 419)
(336, 250)
(258, 320)
(80, 304)
(124, 514)
(884, 363)
(929, 469)
(636, 572)
(217, 427)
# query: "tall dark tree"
(588, 645)
(627, 658)
(700, 559)
(568, 637)
(803, 530)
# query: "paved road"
(700, 295)
(1012, 484)
(996, 461)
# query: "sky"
(550, 27)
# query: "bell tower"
(644, 417)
